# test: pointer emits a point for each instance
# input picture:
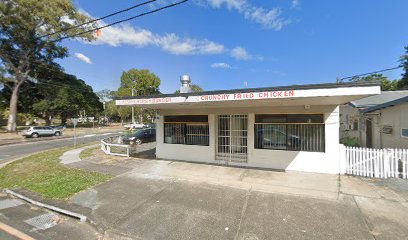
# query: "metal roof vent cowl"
(185, 84)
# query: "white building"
(286, 128)
(379, 121)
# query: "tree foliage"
(403, 83)
(386, 84)
(143, 82)
(22, 47)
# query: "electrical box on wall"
(387, 129)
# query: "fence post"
(342, 159)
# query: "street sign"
(74, 121)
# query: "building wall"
(327, 162)
(397, 118)
(349, 116)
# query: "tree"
(386, 84)
(403, 83)
(65, 96)
(194, 88)
(22, 47)
(143, 82)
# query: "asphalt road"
(8, 152)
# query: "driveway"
(154, 199)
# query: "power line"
(370, 73)
(101, 18)
(121, 21)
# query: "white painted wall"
(395, 116)
(327, 162)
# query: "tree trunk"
(12, 119)
(141, 115)
(64, 118)
(47, 120)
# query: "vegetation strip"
(42, 173)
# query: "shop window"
(404, 132)
(186, 129)
(292, 132)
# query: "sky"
(228, 44)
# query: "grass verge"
(88, 152)
(42, 173)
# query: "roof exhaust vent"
(185, 84)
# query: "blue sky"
(222, 44)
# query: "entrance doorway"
(369, 133)
(232, 134)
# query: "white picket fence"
(378, 163)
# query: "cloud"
(221, 65)
(295, 3)
(240, 53)
(83, 58)
(268, 18)
(172, 43)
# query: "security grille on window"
(293, 132)
(186, 129)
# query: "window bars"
(290, 132)
(232, 138)
(187, 133)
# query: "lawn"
(42, 173)
(88, 152)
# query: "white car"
(135, 125)
(35, 132)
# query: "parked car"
(140, 136)
(135, 125)
(41, 131)
(59, 127)
(277, 139)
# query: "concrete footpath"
(156, 199)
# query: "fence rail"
(378, 163)
(113, 146)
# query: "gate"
(232, 134)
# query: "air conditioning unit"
(387, 129)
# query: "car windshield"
(138, 133)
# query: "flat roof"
(265, 89)
(313, 94)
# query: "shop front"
(284, 128)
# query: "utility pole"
(133, 109)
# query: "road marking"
(14, 232)
(89, 135)
(105, 134)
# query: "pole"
(104, 110)
(75, 138)
(133, 110)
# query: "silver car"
(41, 131)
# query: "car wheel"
(138, 142)
(57, 134)
(34, 135)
